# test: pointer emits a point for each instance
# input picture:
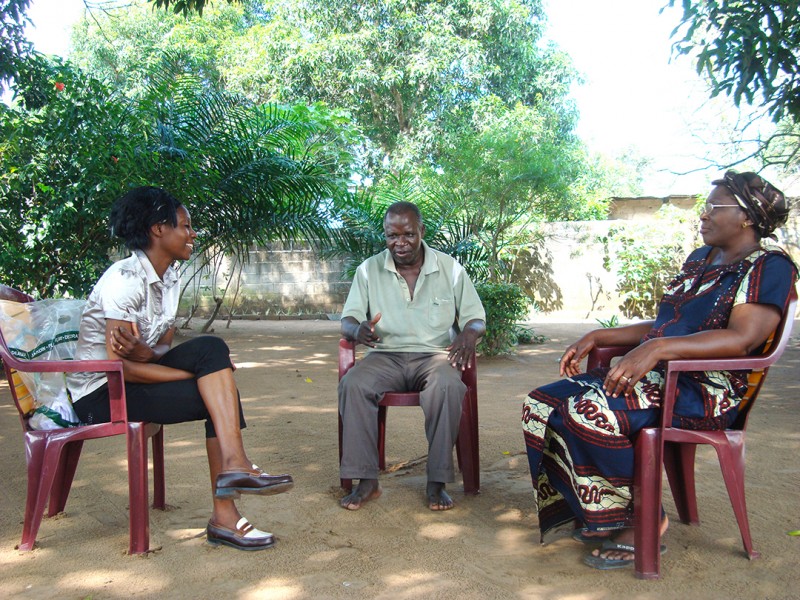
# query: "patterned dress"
(580, 441)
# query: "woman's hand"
(127, 344)
(570, 363)
(622, 377)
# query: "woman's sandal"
(605, 564)
(579, 535)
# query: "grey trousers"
(441, 398)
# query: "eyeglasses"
(708, 207)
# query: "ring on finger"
(628, 379)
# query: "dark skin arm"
(462, 349)
(749, 326)
(629, 335)
(361, 333)
(459, 352)
(124, 343)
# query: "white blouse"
(130, 290)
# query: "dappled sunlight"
(511, 539)
(186, 534)
(266, 589)
(328, 556)
(550, 591)
(275, 349)
(250, 365)
(98, 581)
(510, 515)
(441, 531)
(179, 444)
(301, 410)
(416, 585)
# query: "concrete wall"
(291, 282)
(278, 281)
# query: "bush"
(505, 304)
(643, 266)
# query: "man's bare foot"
(625, 538)
(438, 499)
(367, 489)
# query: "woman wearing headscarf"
(726, 301)
(130, 316)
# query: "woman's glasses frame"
(708, 207)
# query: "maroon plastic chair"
(52, 456)
(467, 443)
(675, 448)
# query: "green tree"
(517, 168)
(408, 72)
(745, 48)
(61, 165)
(250, 173)
(14, 46)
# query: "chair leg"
(731, 461)
(159, 488)
(679, 464)
(467, 446)
(35, 451)
(137, 489)
(647, 504)
(382, 438)
(67, 464)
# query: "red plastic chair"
(467, 443)
(675, 448)
(52, 456)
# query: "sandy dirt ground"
(486, 547)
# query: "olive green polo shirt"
(444, 297)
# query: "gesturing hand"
(366, 332)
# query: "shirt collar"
(429, 265)
(170, 275)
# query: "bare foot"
(438, 499)
(626, 538)
(367, 489)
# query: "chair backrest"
(773, 349)
(9, 293)
(23, 399)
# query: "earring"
(745, 225)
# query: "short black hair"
(136, 212)
(401, 208)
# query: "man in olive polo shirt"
(402, 305)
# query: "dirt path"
(487, 547)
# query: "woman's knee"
(213, 355)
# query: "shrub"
(505, 304)
(643, 266)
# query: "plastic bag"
(44, 330)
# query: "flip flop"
(579, 535)
(606, 564)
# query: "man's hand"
(365, 334)
(462, 349)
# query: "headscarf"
(765, 205)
